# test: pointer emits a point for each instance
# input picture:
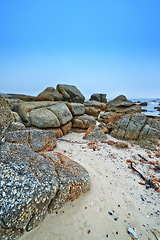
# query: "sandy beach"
(115, 200)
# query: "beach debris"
(115, 219)
(132, 232)
(93, 145)
(148, 182)
(142, 157)
(142, 198)
(2, 140)
(110, 213)
(156, 233)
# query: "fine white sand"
(114, 188)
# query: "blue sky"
(100, 46)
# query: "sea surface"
(150, 109)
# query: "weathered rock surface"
(92, 111)
(95, 133)
(74, 180)
(103, 127)
(6, 117)
(28, 184)
(15, 126)
(16, 117)
(13, 103)
(37, 140)
(43, 118)
(83, 121)
(76, 108)
(32, 185)
(70, 93)
(57, 131)
(66, 128)
(49, 94)
(62, 112)
(137, 127)
(122, 105)
(109, 117)
(98, 97)
(22, 97)
(24, 108)
(95, 104)
(117, 144)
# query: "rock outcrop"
(32, 185)
(37, 140)
(70, 93)
(76, 108)
(6, 117)
(122, 105)
(43, 118)
(98, 97)
(137, 127)
(49, 94)
(92, 111)
(109, 117)
(22, 97)
(95, 133)
(83, 122)
(98, 105)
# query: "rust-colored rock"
(66, 128)
(57, 131)
(109, 117)
(103, 127)
(92, 111)
(117, 144)
(49, 94)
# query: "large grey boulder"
(49, 94)
(70, 93)
(62, 112)
(43, 118)
(24, 108)
(32, 185)
(76, 108)
(6, 117)
(37, 140)
(28, 184)
(98, 97)
(122, 105)
(137, 127)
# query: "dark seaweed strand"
(147, 182)
(142, 157)
(3, 226)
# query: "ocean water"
(151, 104)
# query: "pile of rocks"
(62, 109)
(34, 180)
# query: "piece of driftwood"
(148, 183)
